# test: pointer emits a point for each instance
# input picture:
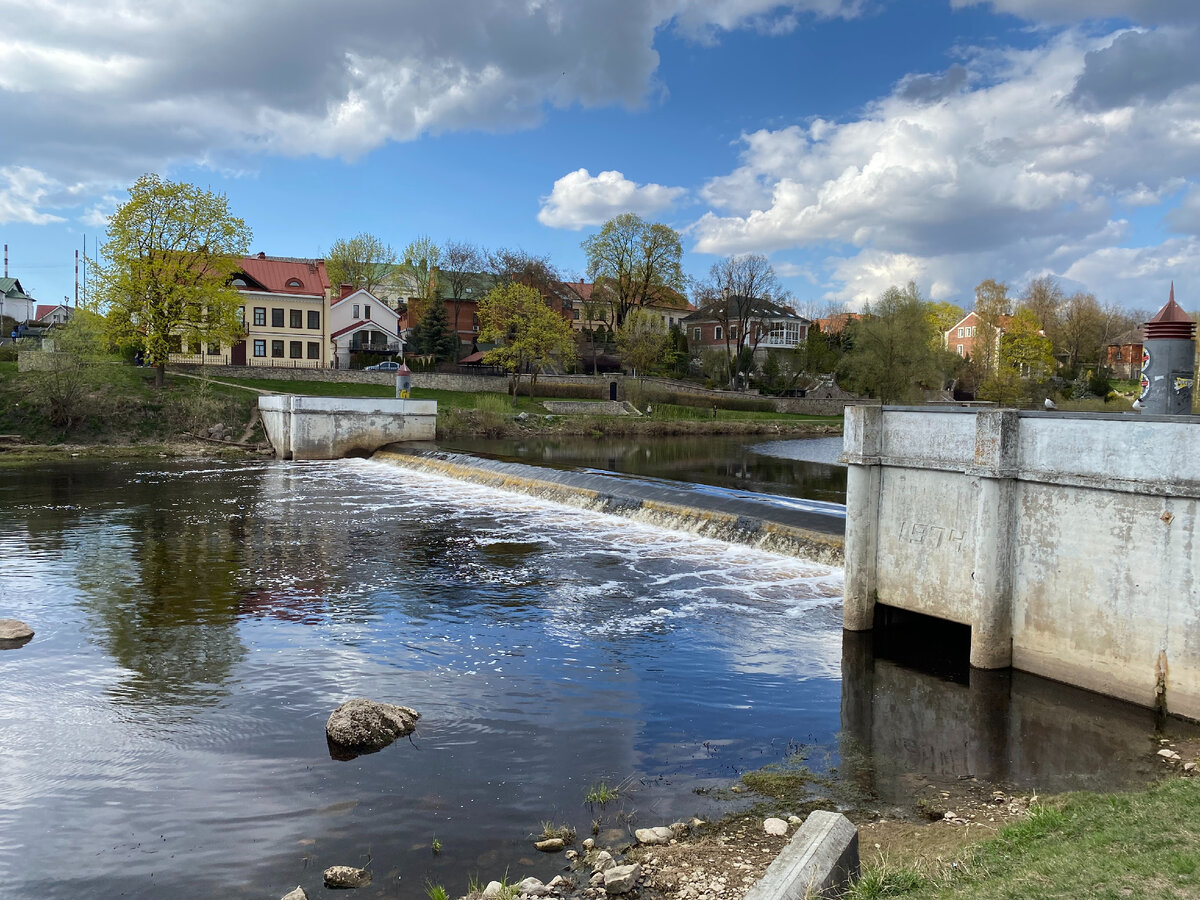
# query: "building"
(47, 314)
(361, 323)
(966, 336)
(1123, 354)
(837, 323)
(767, 325)
(15, 304)
(284, 311)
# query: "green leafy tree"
(642, 340)
(363, 262)
(679, 359)
(636, 261)
(421, 258)
(943, 316)
(431, 336)
(63, 387)
(530, 334)
(893, 356)
(991, 305)
(172, 249)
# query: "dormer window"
(295, 283)
(239, 282)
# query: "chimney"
(262, 255)
(346, 290)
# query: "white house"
(14, 302)
(359, 322)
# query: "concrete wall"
(1068, 542)
(334, 427)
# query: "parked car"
(389, 366)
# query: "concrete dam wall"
(1067, 542)
(334, 427)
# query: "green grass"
(435, 891)
(600, 794)
(550, 830)
(690, 413)
(1141, 844)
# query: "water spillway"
(796, 527)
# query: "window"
(296, 318)
(314, 350)
(174, 343)
(355, 312)
(260, 315)
(296, 349)
(295, 283)
(733, 334)
(716, 332)
(960, 350)
(276, 318)
(241, 314)
(575, 314)
(277, 349)
(194, 348)
(696, 334)
(367, 311)
(238, 282)
(314, 320)
(260, 348)
(960, 332)
(214, 349)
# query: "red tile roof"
(274, 273)
(44, 309)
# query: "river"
(163, 733)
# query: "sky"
(856, 143)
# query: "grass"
(550, 830)
(600, 794)
(1141, 844)
(436, 846)
(672, 411)
(435, 891)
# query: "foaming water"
(163, 733)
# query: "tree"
(78, 344)
(893, 356)
(1026, 357)
(635, 260)
(991, 306)
(460, 263)
(1080, 330)
(736, 289)
(1044, 298)
(642, 340)
(431, 335)
(172, 249)
(530, 334)
(943, 316)
(364, 262)
(420, 260)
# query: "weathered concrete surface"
(820, 860)
(335, 427)
(1067, 542)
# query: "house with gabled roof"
(46, 314)
(14, 302)
(361, 323)
(966, 336)
(755, 322)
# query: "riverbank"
(964, 839)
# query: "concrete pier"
(1067, 542)
(334, 427)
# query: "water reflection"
(732, 462)
(1005, 727)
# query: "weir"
(301, 427)
(1066, 542)
(808, 529)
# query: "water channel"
(163, 734)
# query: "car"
(388, 366)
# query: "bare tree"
(461, 261)
(736, 289)
(991, 306)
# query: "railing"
(263, 362)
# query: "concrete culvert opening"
(925, 643)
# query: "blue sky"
(857, 143)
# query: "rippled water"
(163, 733)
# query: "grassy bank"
(1137, 844)
(114, 405)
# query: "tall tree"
(635, 260)
(736, 287)
(943, 316)
(418, 271)
(461, 263)
(172, 249)
(431, 335)
(1044, 298)
(529, 333)
(992, 307)
(642, 340)
(363, 262)
(893, 355)
(1080, 330)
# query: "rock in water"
(550, 845)
(346, 877)
(364, 726)
(13, 633)
(297, 894)
(658, 835)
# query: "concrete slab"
(820, 860)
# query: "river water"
(163, 733)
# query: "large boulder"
(13, 633)
(622, 879)
(346, 877)
(363, 726)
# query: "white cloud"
(992, 171)
(579, 199)
(22, 192)
(1142, 275)
(1149, 12)
(106, 90)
